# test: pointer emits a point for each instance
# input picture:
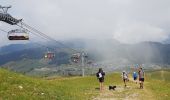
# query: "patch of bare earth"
(131, 92)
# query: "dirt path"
(131, 92)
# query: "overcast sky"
(128, 21)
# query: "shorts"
(141, 79)
(101, 80)
(125, 79)
(134, 78)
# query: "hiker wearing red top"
(141, 77)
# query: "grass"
(19, 87)
(160, 84)
(36, 88)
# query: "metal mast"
(82, 63)
(5, 8)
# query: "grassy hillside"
(160, 84)
(18, 87)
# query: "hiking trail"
(131, 92)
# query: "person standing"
(141, 77)
(135, 76)
(100, 75)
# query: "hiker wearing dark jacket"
(100, 75)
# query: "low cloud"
(129, 21)
(138, 32)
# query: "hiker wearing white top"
(125, 77)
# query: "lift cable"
(48, 37)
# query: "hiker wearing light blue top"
(135, 76)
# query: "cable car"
(18, 34)
(76, 57)
(49, 55)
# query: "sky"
(128, 21)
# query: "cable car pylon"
(6, 17)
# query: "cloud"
(128, 21)
(137, 32)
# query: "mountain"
(29, 58)
(140, 53)
(16, 47)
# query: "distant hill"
(140, 53)
(29, 58)
(17, 52)
(26, 58)
(15, 47)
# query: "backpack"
(99, 75)
(124, 75)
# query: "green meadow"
(14, 86)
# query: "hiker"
(141, 77)
(100, 75)
(135, 76)
(125, 77)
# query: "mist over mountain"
(30, 57)
(98, 50)
(139, 53)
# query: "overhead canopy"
(9, 19)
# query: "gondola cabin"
(49, 55)
(76, 57)
(18, 34)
